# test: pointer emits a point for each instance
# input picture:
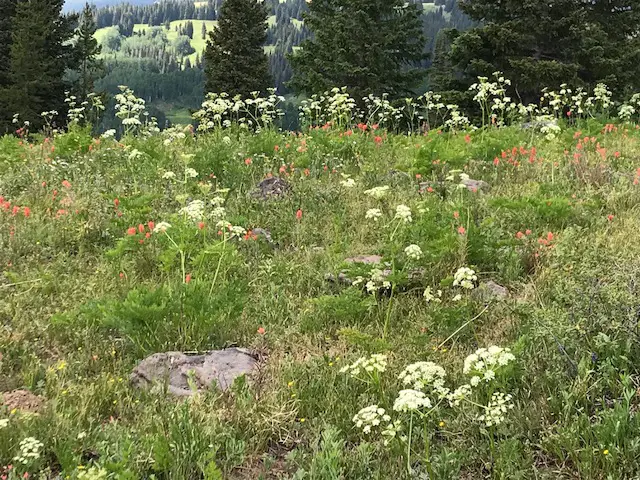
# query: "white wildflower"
(421, 375)
(377, 192)
(194, 210)
(370, 418)
(30, 449)
(403, 213)
(4, 422)
(375, 363)
(496, 410)
(414, 252)
(459, 394)
(488, 360)
(169, 175)
(161, 227)
(391, 431)
(109, 134)
(373, 214)
(456, 298)
(409, 400)
(190, 172)
(429, 296)
(465, 278)
(348, 183)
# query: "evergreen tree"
(87, 51)
(188, 29)
(204, 31)
(7, 7)
(442, 75)
(41, 52)
(369, 46)
(539, 43)
(235, 61)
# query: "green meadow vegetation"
(445, 302)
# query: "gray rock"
(475, 185)
(490, 290)
(272, 187)
(264, 233)
(186, 374)
(366, 259)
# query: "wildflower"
(4, 422)
(247, 161)
(519, 235)
(161, 227)
(26, 212)
(66, 184)
(299, 214)
(200, 225)
(391, 431)
(194, 210)
(457, 298)
(151, 225)
(459, 394)
(610, 217)
(370, 417)
(378, 139)
(375, 363)
(403, 213)
(429, 295)
(498, 406)
(410, 400)
(462, 230)
(373, 214)
(605, 452)
(414, 252)
(190, 172)
(420, 375)
(377, 192)
(29, 450)
(528, 232)
(464, 278)
(187, 278)
(348, 183)
(487, 360)
(456, 214)
(131, 231)
(141, 228)
(261, 331)
(169, 176)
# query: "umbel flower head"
(495, 412)
(377, 192)
(375, 363)
(465, 278)
(484, 362)
(370, 417)
(403, 213)
(422, 375)
(161, 227)
(411, 400)
(414, 252)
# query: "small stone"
(475, 185)
(22, 400)
(271, 187)
(365, 259)
(186, 374)
(490, 290)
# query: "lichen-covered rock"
(186, 374)
(272, 187)
(475, 185)
(490, 290)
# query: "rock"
(490, 290)
(475, 185)
(22, 400)
(264, 233)
(366, 259)
(186, 374)
(271, 187)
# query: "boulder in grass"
(475, 185)
(21, 400)
(272, 187)
(185, 374)
(491, 291)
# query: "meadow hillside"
(447, 303)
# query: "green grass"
(82, 300)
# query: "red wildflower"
(66, 184)
(15, 210)
(519, 235)
(456, 214)
(418, 176)
(147, 235)
(378, 140)
(116, 202)
(461, 230)
(550, 237)
(247, 161)
(131, 231)
(430, 189)
(276, 148)
(527, 232)
(187, 278)
(141, 228)
(299, 214)
(200, 225)
(496, 161)
(306, 172)
(44, 184)
(261, 331)
(26, 211)
(151, 225)
(121, 275)
(467, 138)
(610, 217)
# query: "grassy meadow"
(92, 280)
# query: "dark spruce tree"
(369, 46)
(41, 53)
(7, 9)
(87, 53)
(542, 43)
(234, 59)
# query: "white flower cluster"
(465, 278)
(485, 361)
(411, 400)
(421, 375)
(430, 296)
(190, 172)
(414, 252)
(30, 449)
(370, 417)
(496, 410)
(377, 192)
(334, 107)
(161, 227)
(459, 394)
(377, 281)
(93, 473)
(4, 422)
(194, 210)
(348, 183)
(169, 175)
(129, 108)
(403, 213)
(373, 214)
(375, 363)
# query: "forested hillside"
(157, 49)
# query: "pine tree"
(442, 76)
(538, 43)
(7, 7)
(369, 46)
(87, 51)
(234, 59)
(204, 31)
(41, 52)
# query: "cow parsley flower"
(373, 214)
(376, 363)
(194, 210)
(190, 172)
(169, 176)
(377, 192)
(391, 431)
(161, 227)
(496, 410)
(484, 362)
(30, 449)
(348, 183)
(421, 375)
(429, 296)
(370, 417)
(403, 213)
(465, 278)
(414, 252)
(109, 134)
(459, 394)
(4, 422)
(410, 400)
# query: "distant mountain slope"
(77, 5)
